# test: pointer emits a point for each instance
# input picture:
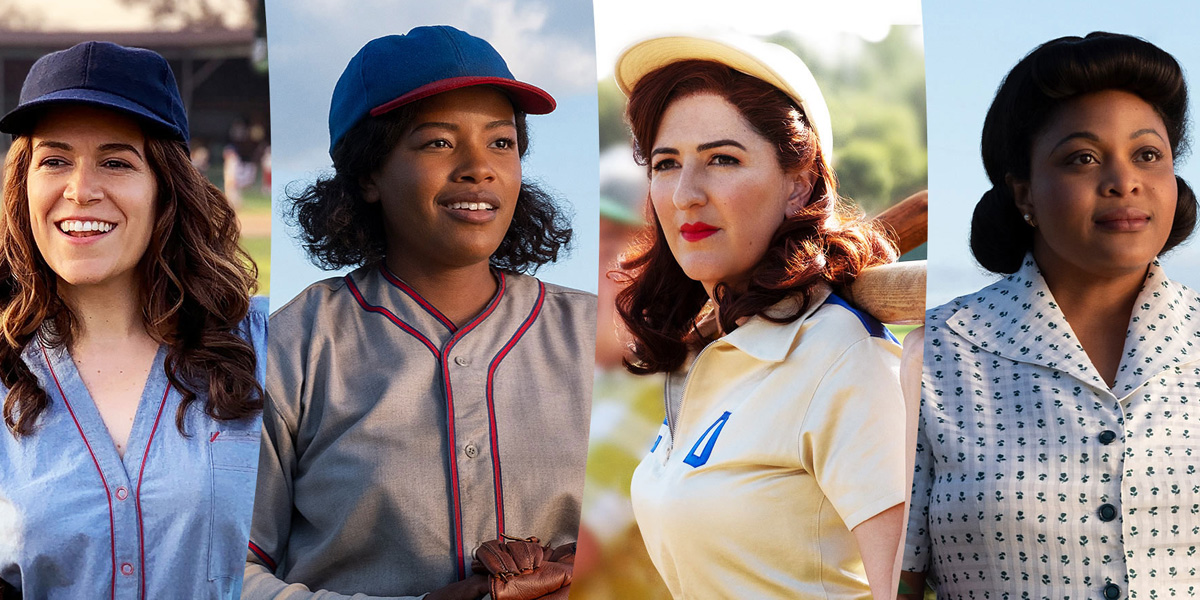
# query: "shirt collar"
(1163, 333)
(1017, 318)
(769, 341)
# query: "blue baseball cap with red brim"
(395, 70)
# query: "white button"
(461, 361)
(471, 451)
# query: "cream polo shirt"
(786, 437)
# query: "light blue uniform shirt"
(169, 520)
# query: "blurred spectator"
(627, 410)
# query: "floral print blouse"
(1033, 478)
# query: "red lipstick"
(694, 232)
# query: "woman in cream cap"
(779, 469)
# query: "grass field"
(256, 234)
(259, 248)
(897, 330)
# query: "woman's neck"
(105, 314)
(459, 293)
(112, 351)
(1098, 309)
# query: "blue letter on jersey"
(657, 440)
(711, 434)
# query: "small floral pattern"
(1033, 478)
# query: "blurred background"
(868, 58)
(548, 43)
(217, 49)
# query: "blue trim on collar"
(873, 326)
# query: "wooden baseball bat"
(895, 293)
(907, 221)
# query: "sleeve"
(917, 545)
(260, 582)
(277, 463)
(256, 325)
(852, 436)
(272, 520)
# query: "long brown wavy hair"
(196, 284)
(828, 242)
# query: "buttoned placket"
(1056, 349)
(466, 357)
(118, 476)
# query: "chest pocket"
(233, 456)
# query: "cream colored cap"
(771, 63)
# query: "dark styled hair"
(196, 284)
(1048, 77)
(341, 229)
(827, 242)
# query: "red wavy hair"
(828, 242)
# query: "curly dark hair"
(196, 288)
(1051, 75)
(341, 229)
(828, 242)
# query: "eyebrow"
(109, 147)
(1087, 135)
(718, 144)
(701, 147)
(454, 127)
(1141, 132)
(1078, 135)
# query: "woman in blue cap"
(436, 397)
(131, 357)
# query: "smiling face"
(449, 186)
(91, 195)
(1102, 187)
(718, 190)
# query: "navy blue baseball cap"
(133, 81)
(395, 70)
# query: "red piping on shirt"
(512, 342)
(111, 527)
(429, 308)
(137, 497)
(262, 555)
(456, 503)
(393, 318)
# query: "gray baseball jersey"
(394, 442)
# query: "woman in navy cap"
(436, 397)
(131, 357)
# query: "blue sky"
(549, 43)
(969, 47)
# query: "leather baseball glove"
(523, 569)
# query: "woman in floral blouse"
(1059, 438)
